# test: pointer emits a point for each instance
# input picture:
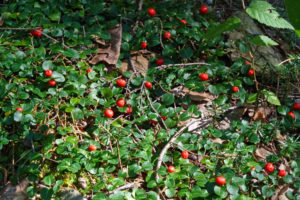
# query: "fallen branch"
(136, 184)
(29, 29)
(204, 123)
(181, 64)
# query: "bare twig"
(152, 107)
(243, 3)
(254, 71)
(181, 64)
(27, 29)
(141, 2)
(119, 156)
(287, 60)
(160, 34)
(135, 184)
(110, 144)
(204, 123)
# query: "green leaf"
(271, 97)
(55, 16)
(283, 110)
(198, 192)
(264, 41)
(232, 189)
(77, 114)
(75, 167)
(186, 52)
(58, 77)
(252, 98)
(71, 53)
(18, 116)
(228, 25)
(220, 191)
(293, 7)
(107, 93)
(136, 81)
(151, 184)
(46, 193)
(221, 100)
(23, 95)
(266, 14)
(170, 192)
(49, 180)
(267, 191)
(47, 65)
(168, 99)
(92, 74)
(31, 191)
(57, 185)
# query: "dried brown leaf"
(199, 97)
(110, 55)
(140, 63)
(261, 114)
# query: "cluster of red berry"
(296, 106)
(270, 168)
(167, 35)
(220, 180)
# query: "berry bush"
(129, 135)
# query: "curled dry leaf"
(140, 63)
(203, 97)
(262, 153)
(110, 54)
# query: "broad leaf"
(293, 7)
(266, 14)
(228, 25)
(264, 41)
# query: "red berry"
(89, 70)
(171, 169)
(203, 76)
(153, 121)
(247, 63)
(36, 33)
(148, 84)
(291, 114)
(129, 110)
(252, 168)
(296, 106)
(92, 148)
(143, 45)
(48, 73)
(109, 113)
(167, 35)
(235, 89)
(19, 109)
(251, 72)
(121, 82)
(52, 82)
(184, 154)
(164, 118)
(269, 167)
(281, 173)
(220, 180)
(183, 21)
(151, 12)
(160, 61)
(203, 9)
(121, 103)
